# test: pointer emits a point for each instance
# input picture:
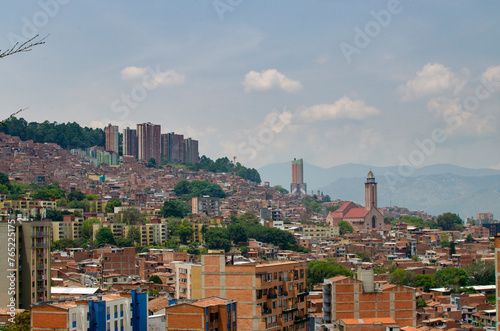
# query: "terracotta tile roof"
(356, 213)
(157, 304)
(360, 321)
(212, 301)
(337, 279)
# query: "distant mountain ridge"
(436, 188)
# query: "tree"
(331, 208)
(133, 216)
(151, 163)
(481, 273)
(281, 189)
(87, 227)
(21, 322)
(23, 47)
(237, 233)
(4, 180)
(345, 227)
(77, 195)
(365, 256)
(110, 206)
(469, 239)
(402, 277)
(185, 233)
(155, 279)
(450, 277)
(453, 250)
(424, 281)
(218, 238)
(134, 234)
(318, 271)
(244, 250)
(450, 222)
(63, 244)
(421, 303)
(105, 236)
(175, 208)
(124, 242)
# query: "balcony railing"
(40, 267)
(40, 277)
(300, 318)
(40, 256)
(266, 311)
(40, 245)
(40, 289)
(41, 234)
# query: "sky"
(379, 83)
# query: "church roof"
(356, 213)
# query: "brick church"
(365, 218)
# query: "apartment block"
(269, 295)
(113, 260)
(172, 147)
(207, 314)
(191, 154)
(25, 270)
(130, 142)
(187, 281)
(149, 142)
(100, 313)
(349, 298)
(69, 228)
(205, 205)
(111, 132)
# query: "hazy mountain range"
(436, 189)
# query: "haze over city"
(377, 83)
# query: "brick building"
(348, 298)
(108, 312)
(269, 295)
(207, 314)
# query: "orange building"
(207, 314)
(269, 295)
(348, 298)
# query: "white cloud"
(458, 121)
(433, 78)
(169, 77)
(153, 77)
(323, 58)
(492, 75)
(270, 79)
(133, 73)
(343, 108)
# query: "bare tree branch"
(24, 47)
(17, 112)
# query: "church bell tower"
(370, 191)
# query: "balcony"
(266, 311)
(40, 277)
(40, 289)
(300, 318)
(40, 245)
(303, 292)
(41, 234)
(326, 300)
(40, 267)
(40, 256)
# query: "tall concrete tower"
(111, 132)
(298, 186)
(370, 191)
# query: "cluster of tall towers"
(148, 142)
